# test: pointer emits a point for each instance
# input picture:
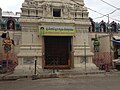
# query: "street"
(102, 82)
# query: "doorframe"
(43, 52)
(72, 53)
(70, 60)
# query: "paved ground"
(97, 82)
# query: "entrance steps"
(30, 70)
(70, 72)
(48, 73)
(81, 72)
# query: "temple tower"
(55, 33)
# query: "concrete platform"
(50, 74)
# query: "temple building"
(52, 32)
(58, 35)
(9, 28)
(55, 33)
(104, 42)
(9, 20)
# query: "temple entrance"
(57, 52)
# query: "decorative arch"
(114, 26)
(3, 24)
(102, 26)
(11, 24)
(97, 26)
(92, 29)
(17, 23)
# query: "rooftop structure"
(10, 14)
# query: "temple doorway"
(57, 52)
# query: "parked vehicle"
(117, 64)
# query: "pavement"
(56, 74)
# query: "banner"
(56, 31)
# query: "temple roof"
(10, 14)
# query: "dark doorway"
(57, 52)
(57, 12)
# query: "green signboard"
(56, 31)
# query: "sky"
(103, 8)
(11, 5)
(97, 5)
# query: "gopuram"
(55, 33)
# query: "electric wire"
(110, 5)
(102, 13)
(106, 14)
